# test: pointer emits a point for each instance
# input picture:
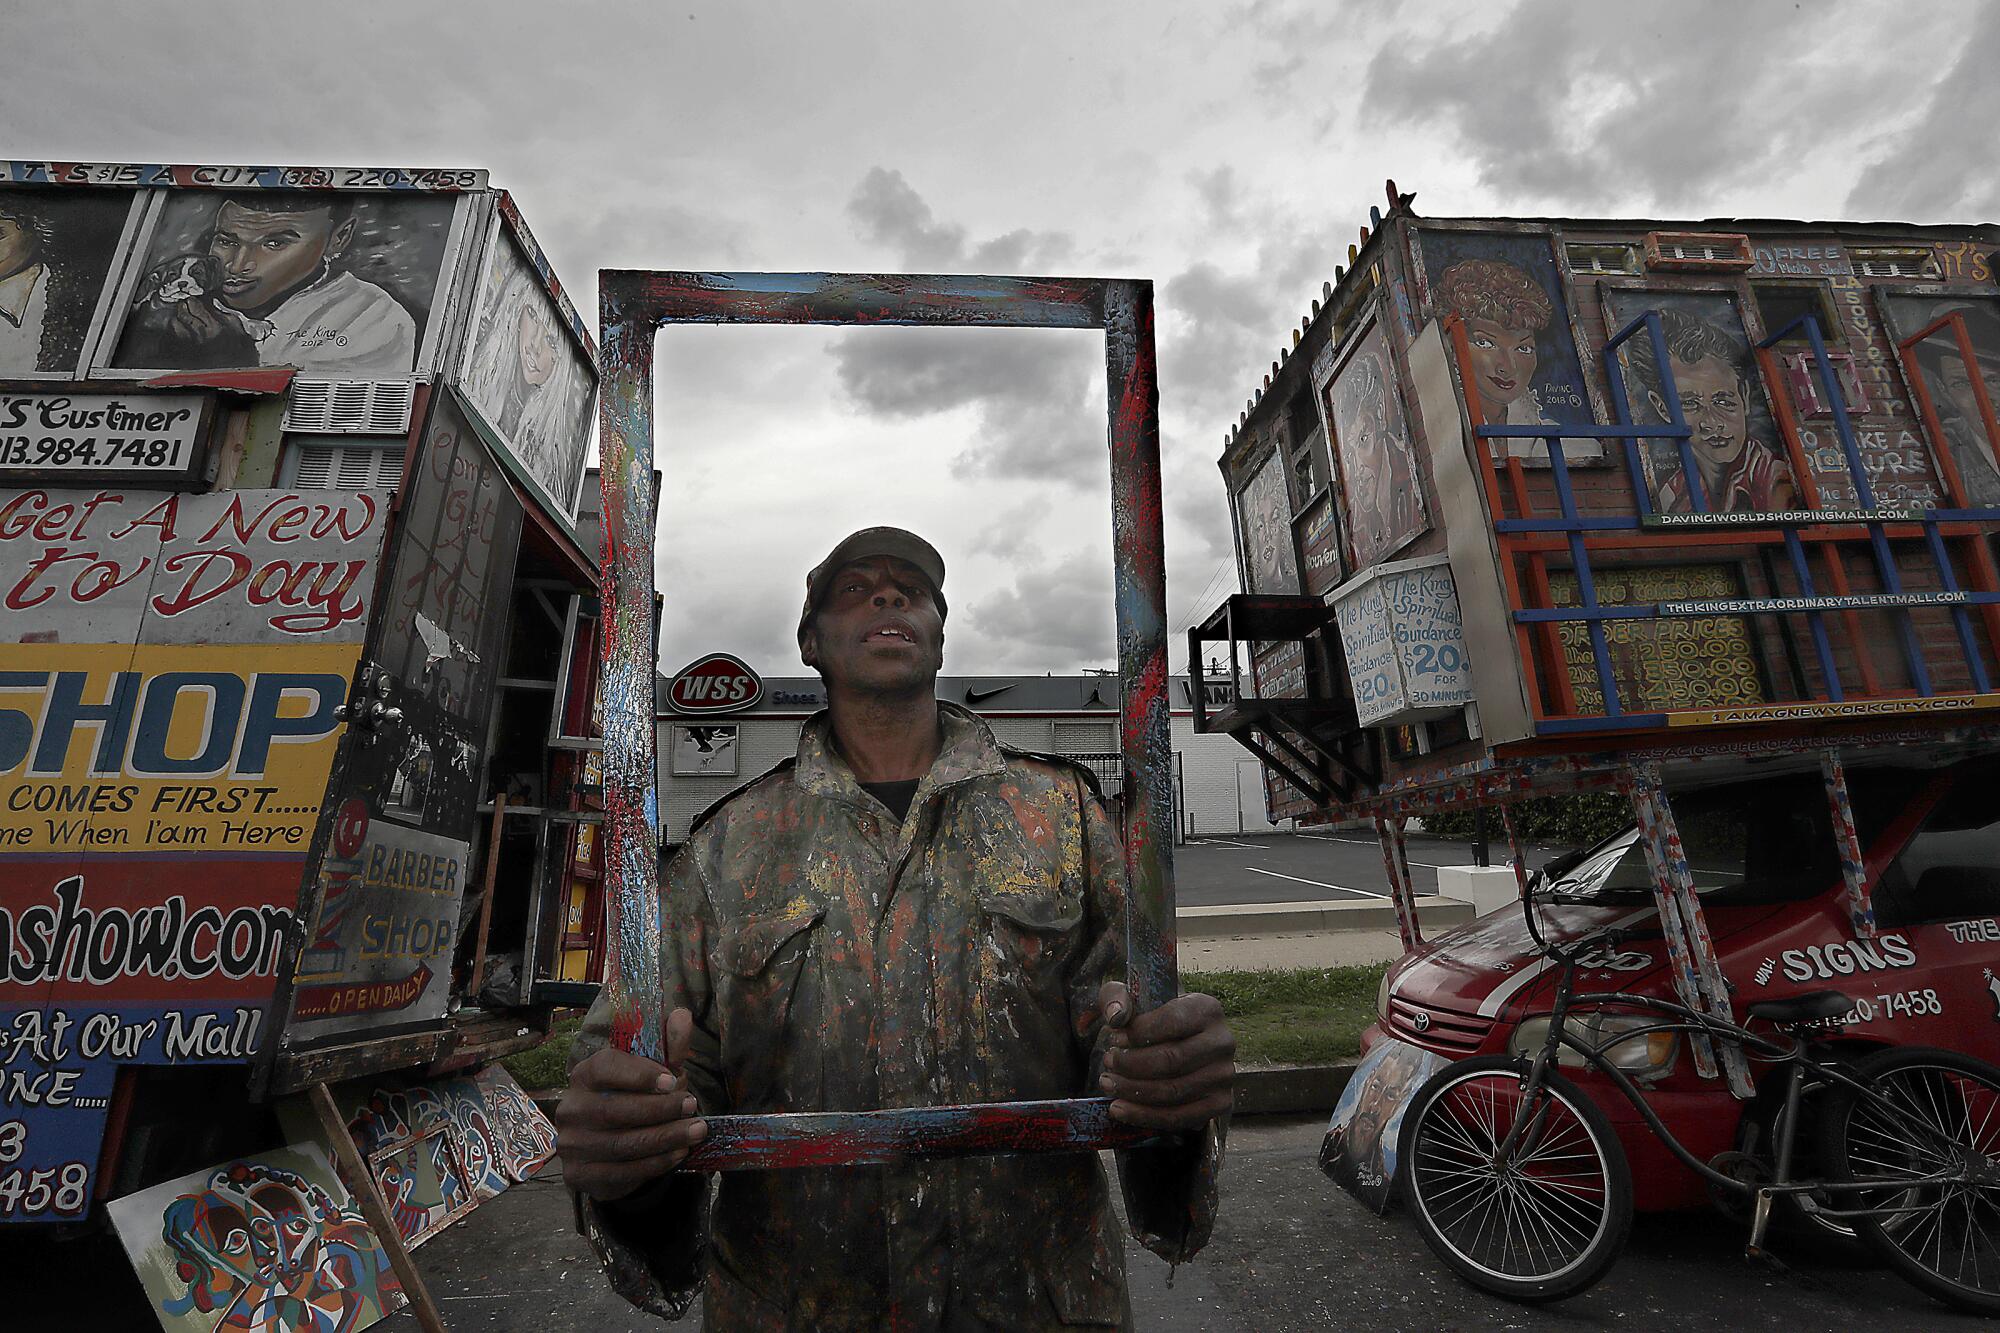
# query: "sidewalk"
(1263, 952)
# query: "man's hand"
(1170, 1067)
(627, 1121)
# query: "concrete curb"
(1291, 1089)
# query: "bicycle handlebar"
(1607, 937)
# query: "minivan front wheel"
(1543, 1224)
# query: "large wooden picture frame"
(634, 304)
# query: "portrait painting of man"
(1739, 465)
(55, 249)
(1264, 514)
(1381, 498)
(1949, 378)
(1359, 1150)
(325, 282)
(1524, 368)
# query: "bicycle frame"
(1682, 1019)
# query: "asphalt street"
(1291, 1252)
(1306, 867)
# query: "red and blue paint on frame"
(633, 306)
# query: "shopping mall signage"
(714, 684)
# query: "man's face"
(538, 348)
(1715, 407)
(1366, 456)
(1271, 523)
(878, 631)
(266, 256)
(17, 245)
(1503, 359)
(1956, 381)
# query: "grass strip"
(1299, 1016)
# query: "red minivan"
(1767, 871)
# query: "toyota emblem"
(1421, 1021)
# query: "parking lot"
(1306, 867)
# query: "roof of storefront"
(1085, 694)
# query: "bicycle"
(1518, 1182)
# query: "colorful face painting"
(476, 1143)
(56, 247)
(424, 1184)
(1949, 379)
(527, 377)
(1381, 498)
(525, 1139)
(1524, 362)
(1739, 461)
(1264, 516)
(328, 283)
(1359, 1150)
(269, 1244)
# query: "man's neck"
(886, 738)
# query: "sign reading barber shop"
(717, 683)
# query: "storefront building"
(721, 725)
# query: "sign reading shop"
(153, 435)
(714, 684)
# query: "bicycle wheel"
(1940, 1113)
(1541, 1226)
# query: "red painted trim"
(278, 379)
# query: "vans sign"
(717, 683)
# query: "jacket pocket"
(759, 944)
(769, 1007)
(1037, 908)
(1031, 927)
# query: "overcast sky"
(1227, 152)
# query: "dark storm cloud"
(1942, 166)
(889, 212)
(1059, 613)
(1038, 396)
(1010, 533)
(1590, 107)
(1222, 323)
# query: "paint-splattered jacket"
(835, 959)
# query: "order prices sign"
(94, 436)
(167, 727)
(1404, 642)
